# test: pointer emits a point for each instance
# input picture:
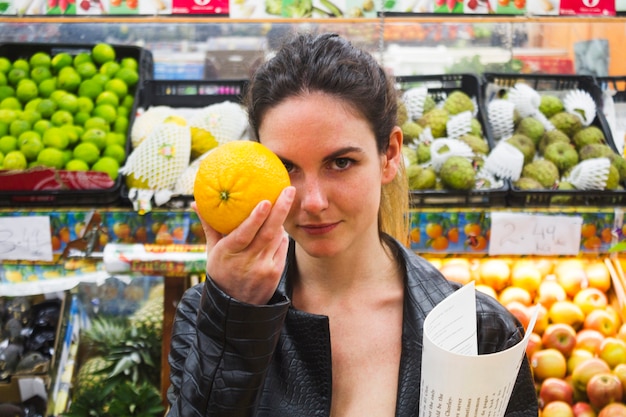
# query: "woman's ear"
(393, 156)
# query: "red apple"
(557, 409)
(495, 273)
(613, 351)
(620, 372)
(534, 344)
(621, 332)
(583, 409)
(566, 312)
(542, 319)
(572, 279)
(613, 410)
(585, 370)
(589, 339)
(578, 355)
(548, 363)
(591, 298)
(555, 389)
(602, 321)
(560, 336)
(598, 275)
(604, 388)
(487, 290)
(511, 293)
(525, 274)
(550, 292)
(457, 272)
(520, 311)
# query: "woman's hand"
(248, 262)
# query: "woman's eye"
(288, 166)
(343, 163)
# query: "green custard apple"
(542, 170)
(457, 173)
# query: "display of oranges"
(233, 178)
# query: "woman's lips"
(318, 229)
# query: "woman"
(311, 307)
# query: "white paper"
(534, 234)
(25, 238)
(456, 381)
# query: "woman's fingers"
(264, 226)
(212, 236)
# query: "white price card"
(25, 238)
(534, 234)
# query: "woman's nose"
(312, 195)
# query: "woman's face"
(331, 155)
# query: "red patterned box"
(588, 7)
(210, 7)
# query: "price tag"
(534, 234)
(25, 238)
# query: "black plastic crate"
(615, 83)
(440, 86)
(191, 93)
(493, 83)
(186, 94)
(74, 197)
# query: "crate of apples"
(577, 349)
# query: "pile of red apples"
(577, 348)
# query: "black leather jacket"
(231, 359)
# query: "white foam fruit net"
(226, 121)
(590, 174)
(501, 117)
(547, 124)
(459, 124)
(442, 149)
(505, 161)
(146, 122)
(162, 157)
(413, 100)
(184, 184)
(525, 98)
(580, 103)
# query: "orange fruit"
(233, 178)
(434, 230)
(439, 243)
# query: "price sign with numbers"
(534, 234)
(25, 238)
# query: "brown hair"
(331, 64)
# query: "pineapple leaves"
(120, 376)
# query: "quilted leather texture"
(230, 359)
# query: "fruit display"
(170, 141)
(65, 112)
(559, 141)
(577, 348)
(446, 141)
(120, 351)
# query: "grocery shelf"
(429, 18)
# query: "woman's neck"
(355, 275)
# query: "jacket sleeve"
(500, 330)
(220, 352)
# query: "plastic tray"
(555, 83)
(439, 86)
(75, 197)
(186, 94)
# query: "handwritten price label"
(534, 234)
(25, 238)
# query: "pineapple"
(91, 374)
(149, 317)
